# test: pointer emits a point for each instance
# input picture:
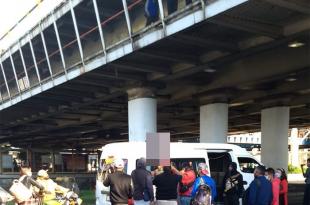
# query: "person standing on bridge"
(307, 188)
(120, 184)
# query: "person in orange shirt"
(280, 173)
(187, 182)
(270, 174)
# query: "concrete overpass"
(92, 73)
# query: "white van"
(216, 156)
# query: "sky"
(11, 11)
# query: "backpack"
(184, 188)
(203, 195)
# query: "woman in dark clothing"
(232, 185)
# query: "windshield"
(247, 165)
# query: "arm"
(195, 187)
(284, 187)
(252, 193)
(307, 174)
(106, 181)
(302, 169)
(35, 183)
(149, 187)
(130, 190)
(213, 187)
(240, 185)
(175, 170)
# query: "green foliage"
(88, 197)
(294, 170)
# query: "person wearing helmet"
(50, 187)
(120, 184)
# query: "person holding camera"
(307, 189)
(119, 183)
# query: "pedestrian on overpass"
(260, 190)
(119, 183)
(232, 185)
(143, 192)
(307, 188)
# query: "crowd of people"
(186, 187)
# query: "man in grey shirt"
(307, 189)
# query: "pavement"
(295, 189)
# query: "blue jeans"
(185, 200)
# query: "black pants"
(231, 199)
(307, 195)
(173, 5)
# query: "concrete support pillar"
(142, 113)
(294, 147)
(274, 127)
(214, 123)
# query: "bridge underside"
(245, 57)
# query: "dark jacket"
(120, 187)
(260, 192)
(166, 186)
(142, 180)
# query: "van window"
(219, 161)
(247, 165)
(194, 161)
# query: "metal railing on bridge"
(79, 31)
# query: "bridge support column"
(214, 123)
(142, 113)
(294, 148)
(274, 127)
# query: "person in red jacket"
(275, 181)
(186, 186)
(280, 173)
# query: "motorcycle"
(69, 198)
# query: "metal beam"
(46, 54)
(248, 25)
(24, 65)
(34, 59)
(60, 47)
(14, 71)
(291, 5)
(100, 29)
(77, 34)
(4, 77)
